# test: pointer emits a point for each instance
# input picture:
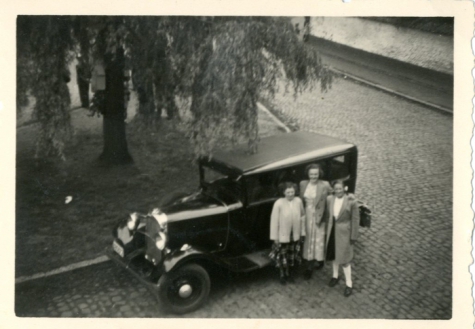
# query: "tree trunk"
(115, 150)
(172, 109)
(163, 81)
(83, 67)
(147, 111)
(115, 142)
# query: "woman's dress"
(315, 238)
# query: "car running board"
(249, 262)
(260, 258)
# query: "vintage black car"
(226, 222)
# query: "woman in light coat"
(314, 192)
(342, 232)
(286, 228)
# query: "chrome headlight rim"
(132, 221)
(161, 241)
(161, 218)
(135, 221)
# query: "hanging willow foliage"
(146, 44)
(46, 45)
(222, 64)
(227, 63)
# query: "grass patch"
(50, 233)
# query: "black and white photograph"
(293, 165)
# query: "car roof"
(280, 151)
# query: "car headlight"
(132, 221)
(161, 218)
(161, 240)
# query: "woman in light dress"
(314, 193)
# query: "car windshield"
(212, 175)
(220, 185)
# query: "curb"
(273, 117)
(391, 91)
(62, 269)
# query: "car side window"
(211, 175)
(261, 187)
(285, 175)
(339, 167)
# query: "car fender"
(179, 257)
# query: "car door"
(261, 194)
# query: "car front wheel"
(185, 289)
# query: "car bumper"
(135, 264)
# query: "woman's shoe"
(333, 282)
(283, 281)
(307, 275)
(348, 291)
(319, 266)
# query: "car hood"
(192, 206)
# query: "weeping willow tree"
(44, 47)
(147, 42)
(230, 64)
(222, 65)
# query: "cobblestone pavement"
(405, 174)
(403, 264)
(107, 291)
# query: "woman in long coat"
(342, 232)
(314, 193)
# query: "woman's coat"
(287, 218)
(346, 228)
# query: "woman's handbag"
(365, 215)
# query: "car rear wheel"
(185, 289)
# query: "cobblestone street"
(403, 264)
(405, 173)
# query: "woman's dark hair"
(314, 166)
(339, 181)
(286, 185)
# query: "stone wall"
(428, 50)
